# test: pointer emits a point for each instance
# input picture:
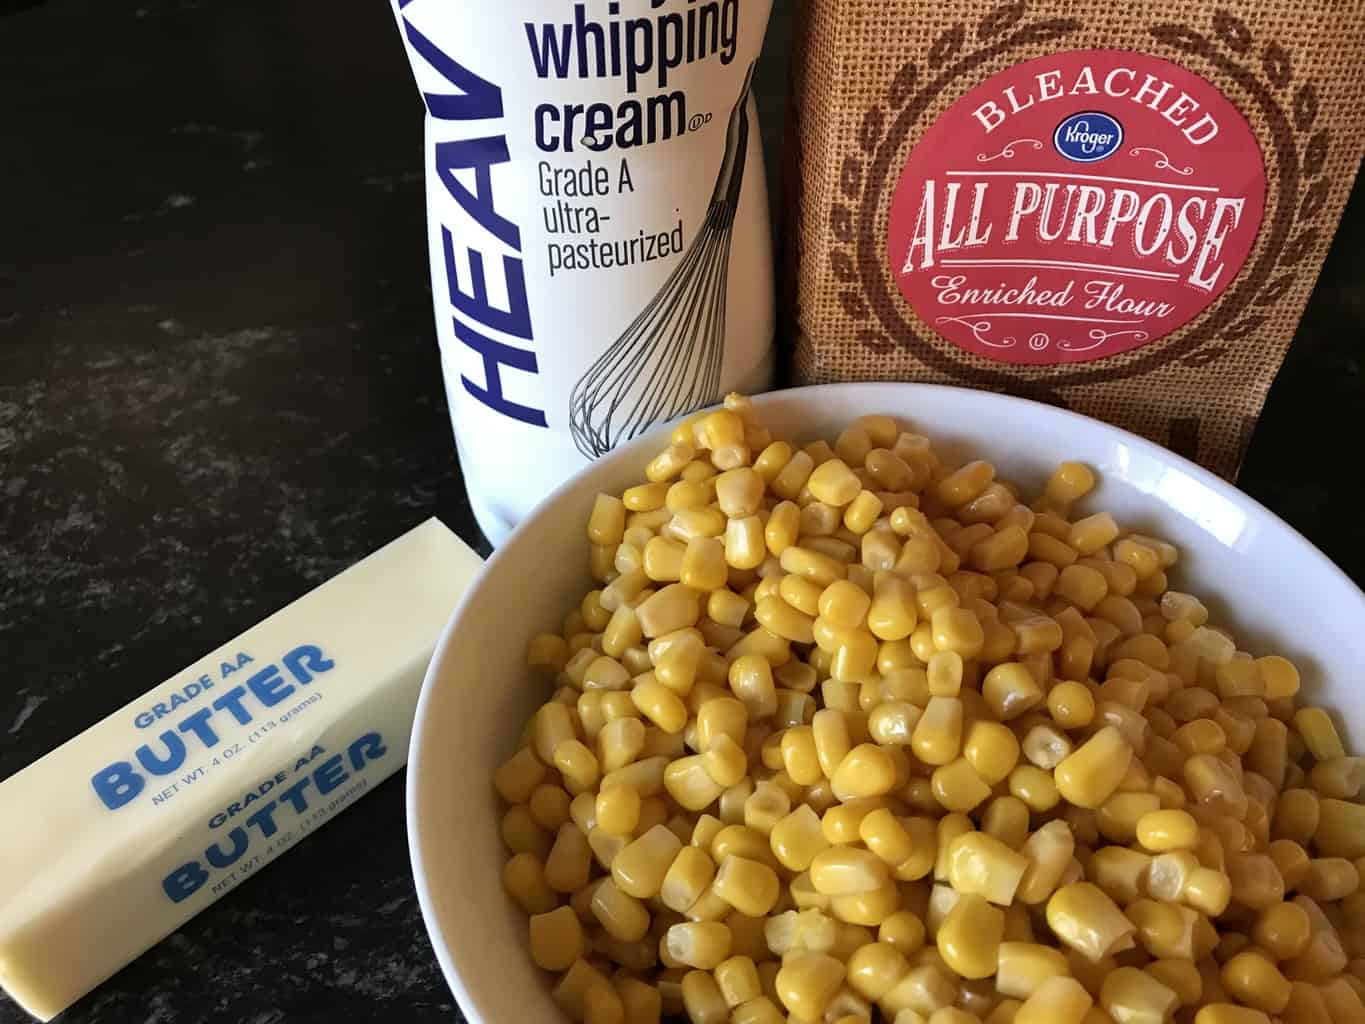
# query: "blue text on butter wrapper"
(190, 877)
(120, 782)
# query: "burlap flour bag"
(1117, 208)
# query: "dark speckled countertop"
(219, 386)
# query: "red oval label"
(1076, 206)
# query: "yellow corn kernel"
(964, 484)
(751, 680)
(1343, 998)
(945, 671)
(721, 716)
(1341, 829)
(1208, 890)
(799, 756)
(660, 705)
(833, 483)
(829, 730)
(768, 804)
(1042, 576)
(782, 528)
(876, 968)
(737, 979)
(886, 836)
(640, 867)
(547, 652)
(1329, 879)
(1255, 981)
(1049, 852)
(518, 776)
(642, 1003)
(1081, 585)
(621, 915)
(797, 838)
(958, 630)
(1058, 1000)
(702, 1000)
(855, 659)
(903, 930)
(751, 887)
(1010, 690)
(807, 982)
(1071, 705)
(1279, 675)
(1165, 930)
(1092, 533)
(867, 908)
(549, 807)
(1093, 772)
(663, 559)
(577, 764)
(840, 824)
(979, 863)
(1283, 930)
(937, 737)
(923, 833)
(671, 608)
(556, 939)
(847, 871)
(844, 604)
(892, 723)
(745, 545)
(690, 784)
(1035, 787)
(1046, 746)
(866, 770)
(862, 512)
(1070, 482)
(957, 786)
(1118, 817)
(618, 810)
(699, 944)
(800, 593)
(1319, 733)
(772, 460)
(1084, 918)
(521, 833)
(1131, 996)
(687, 878)
(1025, 966)
(852, 445)
(782, 619)
(924, 990)
(970, 935)
(1120, 872)
(1168, 874)
(793, 477)
(893, 613)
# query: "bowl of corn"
(894, 702)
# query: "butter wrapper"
(152, 814)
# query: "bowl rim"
(421, 879)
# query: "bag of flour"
(1118, 208)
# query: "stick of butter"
(124, 833)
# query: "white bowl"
(1262, 579)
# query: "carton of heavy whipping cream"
(147, 817)
(598, 225)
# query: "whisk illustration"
(668, 361)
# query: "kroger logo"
(1088, 136)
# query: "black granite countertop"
(219, 386)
